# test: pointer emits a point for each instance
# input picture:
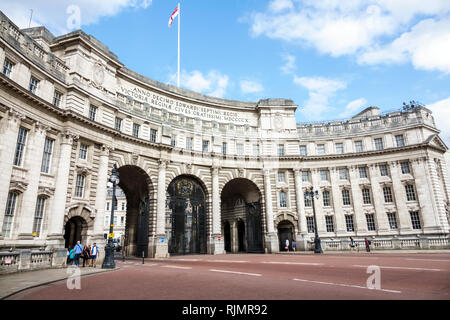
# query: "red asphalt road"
(262, 277)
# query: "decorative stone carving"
(68, 137)
(163, 164)
(98, 74)
(18, 186)
(46, 191)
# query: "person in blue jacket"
(78, 249)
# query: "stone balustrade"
(26, 260)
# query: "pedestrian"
(85, 255)
(78, 250)
(287, 245)
(352, 244)
(368, 243)
(94, 252)
(70, 256)
(294, 246)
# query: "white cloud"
(352, 108)
(289, 66)
(280, 5)
(248, 86)
(212, 84)
(54, 15)
(441, 114)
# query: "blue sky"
(333, 58)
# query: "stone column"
(56, 223)
(433, 167)
(33, 162)
(400, 198)
(217, 238)
(299, 195)
(271, 236)
(378, 201)
(8, 147)
(337, 203)
(318, 203)
(101, 193)
(360, 219)
(161, 245)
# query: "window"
(324, 175)
(122, 220)
(123, 206)
(305, 176)
(329, 223)
(326, 198)
(9, 214)
(46, 157)
(283, 201)
(20, 147)
(7, 67)
(415, 220)
(362, 172)
(107, 206)
(339, 148)
(57, 98)
(153, 135)
(256, 150)
(378, 144)
(358, 146)
(33, 85)
(303, 151)
(349, 223)
(136, 128)
(79, 187)
(370, 222)
(205, 146)
(83, 151)
(384, 170)
(92, 112)
(106, 221)
(308, 202)
(38, 215)
(320, 149)
(400, 140)
(387, 191)
(310, 224)
(224, 147)
(346, 197)
(118, 124)
(366, 196)
(189, 143)
(240, 149)
(405, 167)
(281, 176)
(410, 193)
(173, 140)
(343, 174)
(281, 150)
(392, 221)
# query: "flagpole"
(179, 20)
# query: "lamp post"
(310, 196)
(108, 262)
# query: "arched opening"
(75, 230)
(285, 231)
(186, 216)
(138, 189)
(227, 236)
(241, 204)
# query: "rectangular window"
(92, 112)
(378, 144)
(281, 150)
(256, 150)
(240, 149)
(122, 221)
(205, 146)
(349, 223)
(106, 221)
(410, 193)
(387, 191)
(370, 222)
(47, 156)
(329, 223)
(20, 147)
(400, 140)
(308, 202)
(384, 170)
(136, 128)
(38, 216)
(415, 220)
(343, 174)
(320, 149)
(358, 146)
(326, 198)
(305, 176)
(153, 133)
(362, 172)
(57, 98)
(123, 206)
(173, 140)
(281, 176)
(107, 206)
(79, 187)
(392, 221)
(189, 143)
(283, 199)
(83, 151)
(366, 196)
(224, 148)
(9, 214)
(324, 175)
(310, 224)
(33, 85)
(7, 67)
(339, 148)
(346, 197)
(405, 167)
(303, 151)
(118, 124)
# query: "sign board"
(161, 240)
(35, 234)
(7, 260)
(219, 238)
(111, 235)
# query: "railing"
(441, 242)
(41, 259)
(9, 262)
(408, 243)
(26, 259)
(382, 244)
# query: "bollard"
(142, 256)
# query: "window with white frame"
(410, 192)
(405, 167)
(339, 148)
(153, 133)
(349, 223)
(79, 186)
(240, 149)
(303, 151)
(324, 175)
(366, 196)
(281, 176)
(7, 67)
(378, 144)
(329, 222)
(283, 199)
(118, 124)
(47, 155)
(38, 216)
(358, 146)
(256, 150)
(400, 140)
(224, 148)
(83, 151)
(305, 176)
(123, 206)
(281, 150)
(205, 146)
(370, 222)
(362, 172)
(346, 197)
(9, 214)
(392, 220)
(308, 201)
(92, 112)
(343, 174)
(189, 143)
(136, 128)
(57, 98)
(415, 220)
(33, 85)
(107, 206)
(107, 221)
(384, 170)
(387, 192)
(320, 149)
(20, 146)
(173, 140)
(326, 198)
(310, 224)
(122, 220)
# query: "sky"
(333, 58)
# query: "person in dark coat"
(367, 244)
(85, 255)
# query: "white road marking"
(236, 272)
(404, 268)
(177, 267)
(228, 261)
(346, 285)
(299, 263)
(179, 259)
(425, 260)
(146, 264)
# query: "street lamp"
(310, 196)
(108, 262)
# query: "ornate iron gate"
(254, 227)
(142, 230)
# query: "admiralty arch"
(201, 174)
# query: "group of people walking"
(87, 252)
(354, 245)
(286, 247)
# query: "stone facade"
(70, 110)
